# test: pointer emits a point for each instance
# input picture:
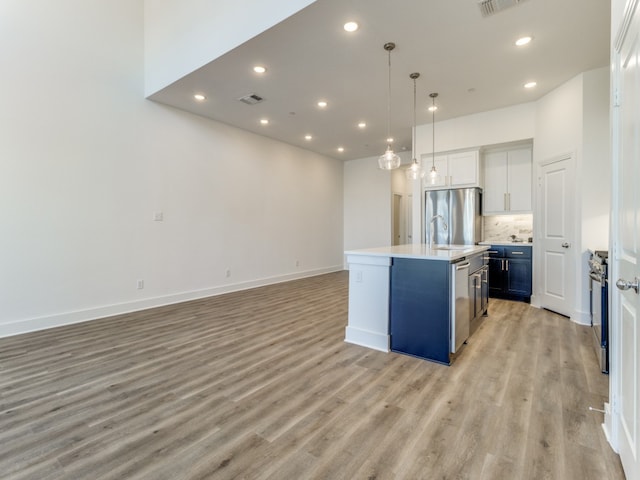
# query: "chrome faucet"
(431, 225)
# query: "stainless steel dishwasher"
(460, 304)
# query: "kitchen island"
(406, 298)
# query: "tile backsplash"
(499, 228)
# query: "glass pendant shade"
(415, 171)
(433, 175)
(389, 160)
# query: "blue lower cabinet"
(419, 308)
(510, 272)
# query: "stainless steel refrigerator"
(461, 210)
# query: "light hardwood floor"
(260, 385)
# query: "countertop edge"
(509, 244)
(439, 255)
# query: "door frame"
(402, 217)
(538, 264)
(612, 421)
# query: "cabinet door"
(495, 183)
(519, 180)
(496, 282)
(463, 169)
(518, 277)
(420, 308)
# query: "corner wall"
(574, 119)
(87, 162)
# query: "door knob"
(626, 285)
(565, 245)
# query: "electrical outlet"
(227, 272)
(158, 217)
(140, 284)
(297, 263)
(359, 276)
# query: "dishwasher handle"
(462, 266)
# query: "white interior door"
(625, 300)
(398, 220)
(557, 233)
(409, 217)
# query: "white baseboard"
(535, 301)
(581, 318)
(68, 318)
(366, 338)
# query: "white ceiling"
(470, 60)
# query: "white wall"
(487, 128)
(182, 36)
(596, 167)
(574, 119)
(85, 162)
(367, 204)
(558, 127)
(558, 133)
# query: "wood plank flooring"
(260, 385)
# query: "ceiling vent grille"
(491, 7)
(251, 99)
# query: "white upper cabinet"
(460, 169)
(507, 181)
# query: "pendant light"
(433, 174)
(415, 171)
(389, 160)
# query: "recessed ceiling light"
(199, 97)
(341, 149)
(530, 84)
(523, 41)
(308, 137)
(259, 69)
(264, 121)
(390, 140)
(351, 26)
(322, 104)
(362, 125)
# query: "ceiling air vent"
(491, 7)
(251, 99)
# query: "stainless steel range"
(599, 286)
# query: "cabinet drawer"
(517, 252)
(495, 251)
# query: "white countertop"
(508, 243)
(422, 251)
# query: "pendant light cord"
(389, 96)
(433, 130)
(433, 138)
(414, 119)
